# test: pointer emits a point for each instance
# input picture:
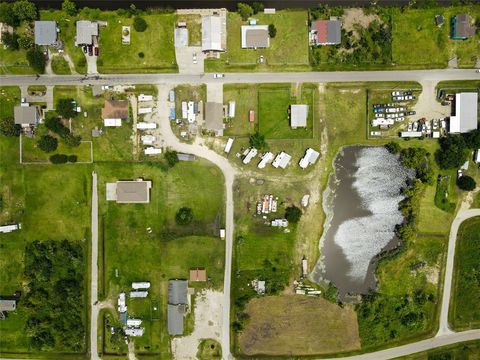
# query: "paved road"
(94, 273)
(332, 76)
(229, 172)
(447, 289)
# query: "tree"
(466, 183)
(139, 24)
(272, 31)
(47, 143)
(54, 124)
(9, 128)
(69, 7)
(184, 216)
(65, 108)
(257, 141)
(244, 10)
(36, 60)
(7, 15)
(472, 139)
(393, 147)
(452, 152)
(171, 157)
(25, 42)
(25, 10)
(59, 159)
(257, 7)
(72, 140)
(10, 41)
(293, 214)
(72, 158)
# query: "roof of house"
(214, 116)
(181, 37)
(462, 27)
(198, 274)
(328, 31)
(298, 115)
(177, 292)
(45, 32)
(175, 315)
(466, 113)
(8, 305)
(255, 36)
(134, 191)
(85, 30)
(211, 33)
(26, 115)
(115, 109)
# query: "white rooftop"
(212, 33)
(298, 115)
(466, 113)
(266, 158)
(281, 160)
(310, 157)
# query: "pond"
(361, 203)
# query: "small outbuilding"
(439, 20)
(298, 116)
(198, 274)
(7, 306)
(462, 27)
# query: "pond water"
(361, 203)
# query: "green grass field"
(60, 66)
(245, 100)
(287, 51)
(465, 312)
(418, 41)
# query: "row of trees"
(13, 13)
(54, 302)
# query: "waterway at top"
(361, 203)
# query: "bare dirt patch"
(298, 325)
(356, 16)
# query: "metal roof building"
(212, 33)
(281, 160)
(175, 314)
(45, 32)
(180, 37)
(298, 116)
(177, 292)
(310, 157)
(26, 115)
(86, 30)
(466, 113)
(255, 37)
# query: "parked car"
(218, 76)
(409, 97)
(85, 49)
(399, 119)
(90, 50)
(97, 51)
(411, 113)
(398, 98)
(194, 58)
(378, 115)
(478, 70)
(445, 103)
(375, 133)
(407, 93)
(396, 93)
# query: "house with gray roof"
(177, 305)
(177, 292)
(45, 33)
(26, 115)
(86, 32)
(129, 191)
(255, 37)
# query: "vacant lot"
(245, 97)
(418, 41)
(287, 51)
(131, 252)
(466, 308)
(60, 66)
(298, 325)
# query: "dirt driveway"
(208, 325)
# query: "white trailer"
(146, 126)
(228, 147)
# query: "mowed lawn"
(273, 106)
(298, 325)
(156, 44)
(416, 40)
(246, 99)
(465, 312)
(167, 251)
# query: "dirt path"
(208, 325)
(427, 105)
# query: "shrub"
(466, 183)
(257, 7)
(58, 159)
(36, 60)
(244, 10)
(393, 147)
(47, 143)
(171, 157)
(257, 141)
(272, 31)
(65, 108)
(72, 140)
(9, 128)
(53, 124)
(293, 214)
(72, 158)
(25, 42)
(10, 41)
(141, 55)
(472, 139)
(139, 24)
(69, 7)
(184, 216)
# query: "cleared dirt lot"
(298, 325)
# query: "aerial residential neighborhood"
(208, 180)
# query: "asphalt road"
(94, 273)
(447, 289)
(333, 76)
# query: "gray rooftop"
(181, 37)
(177, 292)
(298, 115)
(85, 31)
(466, 111)
(26, 115)
(334, 34)
(8, 305)
(133, 191)
(214, 116)
(211, 33)
(45, 32)
(255, 36)
(175, 315)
